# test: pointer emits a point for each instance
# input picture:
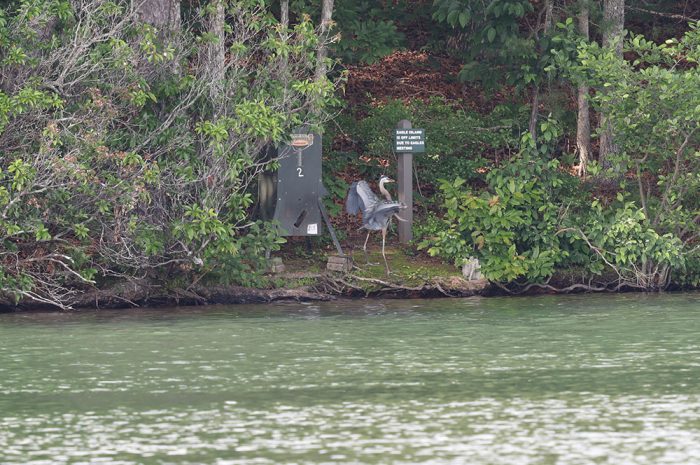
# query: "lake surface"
(611, 379)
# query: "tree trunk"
(613, 29)
(162, 14)
(284, 22)
(548, 12)
(326, 15)
(534, 111)
(613, 23)
(583, 122)
(284, 13)
(216, 57)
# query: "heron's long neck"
(384, 192)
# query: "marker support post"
(404, 181)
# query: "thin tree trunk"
(284, 13)
(326, 15)
(284, 22)
(613, 29)
(162, 14)
(583, 122)
(534, 111)
(549, 10)
(216, 57)
(613, 23)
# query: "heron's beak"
(389, 180)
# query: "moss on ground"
(407, 268)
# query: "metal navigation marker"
(299, 209)
(408, 140)
(299, 185)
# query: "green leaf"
(491, 34)
(464, 17)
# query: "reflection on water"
(575, 380)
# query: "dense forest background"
(562, 135)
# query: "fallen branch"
(663, 15)
(387, 284)
(565, 290)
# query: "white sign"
(312, 228)
(409, 140)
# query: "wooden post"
(404, 179)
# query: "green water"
(575, 380)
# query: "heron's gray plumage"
(361, 198)
(381, 215)
(353, 204)
(376, 211)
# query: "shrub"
(534, 219)
(458, 142)
(117, 159)
(512, 226)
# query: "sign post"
(407, 141)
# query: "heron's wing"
(353, 203)
(369, 198)
(360, 198)
(381, 215)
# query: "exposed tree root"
(353, 285)
(141, 293)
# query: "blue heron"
(376, 212)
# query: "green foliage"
(497, 20)
(248, 263)
(367, 30)
(532, 220)
(368, 41)
(337, 189)
(497, 46)
(623, 239)
(121, 154)
(653, 105)
(512, 227)
(689, 275)
(456, 141)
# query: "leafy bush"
(533, 220)
(653, 106)
(689, 275)
(622, 240)
(512, 227)
(367, 31)
(643, 238)
(652, 103)
(495, 46)
(367, 41)
(118, 158)
(457, 140)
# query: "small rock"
(471, 270)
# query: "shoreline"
(325, 287)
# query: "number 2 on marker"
(299, 172)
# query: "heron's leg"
(388, 271)
(364, 248)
